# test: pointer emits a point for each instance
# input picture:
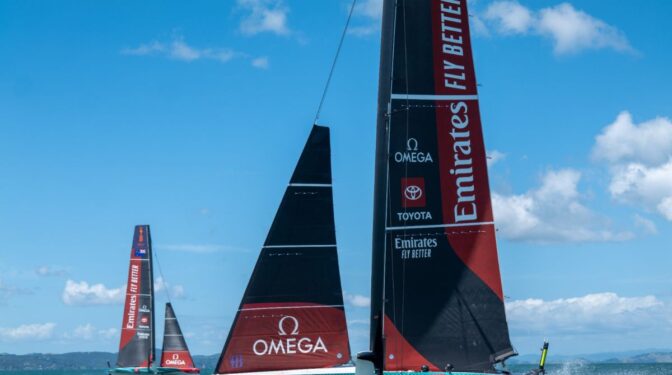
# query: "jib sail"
(436, 289)
(136, 347)
(292, 315)
(175, 353)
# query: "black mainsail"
(292, 315)
(437, 297)
(136, 347)
(175, 353)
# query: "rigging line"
(163, 278)
(333, 64)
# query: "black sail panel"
(292, 315)
(175, 352)
(136, 347)
(437, 298)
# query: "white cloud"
(553, 212)
(510, 17)
(494, 156)
(175, 291)
(639, 158)
(357, 300)
(28, 332)
(89, 332)
(368, 13)
(264, 16)
(178, 49)
(81, 293)
(570, 29)
(649, 142)
(260, 62)
(588, 314)
(51, 271)
(645, 224)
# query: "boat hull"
(171, 370)
(133, 370)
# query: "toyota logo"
(295, 324)
(413, 192)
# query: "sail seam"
(309, 185)
(294, 246)
(432, 97)
(441, 226)
(289, 307)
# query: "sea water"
(569, 368)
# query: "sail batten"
(437, 298)
(291, 316)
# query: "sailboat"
(437, 299)
(291, 319)
(175, 356)
(136, 345)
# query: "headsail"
(175, 353)
(136, 347)
(292, 315)
(436, 290)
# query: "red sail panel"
(286, 336)
(180, 359)
(136, 346)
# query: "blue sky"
(191, 117)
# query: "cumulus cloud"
(179, 50)
(28, 332)
(89, 332)
(81, 293)
(587, 314)
(175, 291)
(639, 159)
(552, 212)
(571, 30)
(264, 16)
(367, 14)
(649, 142)
(357, 300)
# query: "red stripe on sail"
(275, 336)
(463, 169)
(131, 306)
(399, 354)
(177, 359)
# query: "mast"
(437, 299)
(136, 346)
(292, 315)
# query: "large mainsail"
(291, 315)
(436, 290)
(136, 347)
(175, 353)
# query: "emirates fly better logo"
(289, 341)
(413, 192)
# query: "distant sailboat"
(136, 346)
(437, 299)
(175, 356)
(291, 319)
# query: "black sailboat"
(437, 300)
(291, 319)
